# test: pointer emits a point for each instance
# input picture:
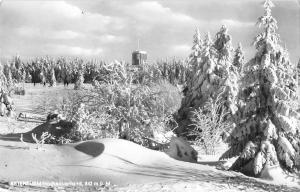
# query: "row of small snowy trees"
(259, 96)
(52, 70)
(298, 71)
(74, 70)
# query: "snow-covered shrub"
(137, 109)
(19, 90)
(89, 122)
(117, 107)
(88, 125)
(169, 94)
(209, 124)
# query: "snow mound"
(120, 162)
(182, 150)
(272, 173)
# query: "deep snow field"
(125, 166)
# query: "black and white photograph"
(150, 95)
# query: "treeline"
(68, 70)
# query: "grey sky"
(109, 29)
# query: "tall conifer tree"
(267, 132)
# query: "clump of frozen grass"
(45, 138)
(23, 142)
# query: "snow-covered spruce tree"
(79, 75)
(195, 57)
(197, 45)
(53, 79)
(226, 70)
(194, 70)
(6, 102)
(9, 80)
(3, 80)
(79, 80)
(267, 133)
(83, 130)
(210, 73)
(28, 77)
(16, 68)
(3, 88)
(223, 44)
(239, 59)
(298, 71)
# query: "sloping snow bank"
(119, 161)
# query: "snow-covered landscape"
(210, 114)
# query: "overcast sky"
(109, 29)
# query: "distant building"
(139, 57)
